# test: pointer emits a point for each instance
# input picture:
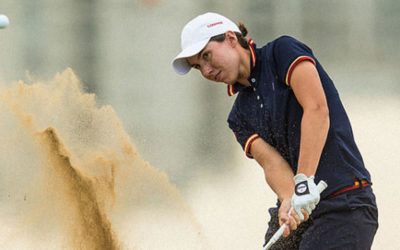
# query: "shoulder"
(280, 44)
(288, 48)
(284, 38)
(288, 42)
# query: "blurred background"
(122, 51)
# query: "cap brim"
(180, 64)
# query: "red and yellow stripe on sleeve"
(294, 64)
(248, 143)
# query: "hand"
(306, 195)
(291, 220)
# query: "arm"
(307, 87)
(279, 177)
(277, 171)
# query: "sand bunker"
(71, 178)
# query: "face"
(218, 62)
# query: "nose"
(207, 70)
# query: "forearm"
(314, 130)
(280, 180)
(277, 171)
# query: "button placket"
(253, 80)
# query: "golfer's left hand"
(306, 194)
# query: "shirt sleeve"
(243, 135)
(288, 52)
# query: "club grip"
(321, 186)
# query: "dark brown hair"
(240, 36)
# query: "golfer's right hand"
(292, 220)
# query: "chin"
(229, 82)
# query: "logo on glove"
(302, 188)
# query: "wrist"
(284, 198)
(300, 178)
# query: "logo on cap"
(213, 24)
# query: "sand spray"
(71, 178)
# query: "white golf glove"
(306, 194)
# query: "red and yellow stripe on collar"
(231, 89)
(248, 143)
(252, 52)
(294, 64)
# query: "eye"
(196, 66)
(206, 55)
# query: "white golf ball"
(4, 22)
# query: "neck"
(244, 67)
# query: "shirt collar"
(235, 88)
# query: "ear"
(231, 38)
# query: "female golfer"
(288, 117)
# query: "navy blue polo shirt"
(269, 109)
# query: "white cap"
(196, 34)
